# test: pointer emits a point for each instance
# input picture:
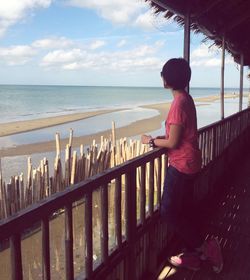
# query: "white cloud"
(59, 57)
(121, 43)
(212, 62)
(147, 20)
(17, 55)
(52, 43)
(143, 50)
(62, 53)
(117, 11)
(12, 11)
(97, 44)
(141, 57)
(203, 51)
(208, 57)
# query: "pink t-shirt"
(186, 157)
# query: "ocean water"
(32, 102)
(19, 102)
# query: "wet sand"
(139, 127)
(29, 125)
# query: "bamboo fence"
(19, 192)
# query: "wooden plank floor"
(231, 224)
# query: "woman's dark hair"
(177, 73)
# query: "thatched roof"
(215, 19)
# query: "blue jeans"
(178, 207)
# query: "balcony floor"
(231, 224)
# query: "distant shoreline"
(136, 128)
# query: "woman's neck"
(177, 92)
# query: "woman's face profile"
(165, 85)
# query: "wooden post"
(222, 77)
(104, 223)
(16, 257)
(241, 81)
(186, 47)
(118, 212)
(88, 235)
(151, 188)
(69, 242)
(143, 193)
(45, 249)
(130, 218)
(159, 179)
(1, 193)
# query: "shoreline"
(136, 128)
(10, 128)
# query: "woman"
(181, 141)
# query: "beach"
(135, 128)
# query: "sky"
(99, 43)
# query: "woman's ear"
(165, 84)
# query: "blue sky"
(98, 42)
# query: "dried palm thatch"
(215, 19)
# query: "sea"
(28, 102)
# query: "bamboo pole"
(47, 181)
(114, 144)
(17, 195)
(73, 178)
(58, 148)
(28, 191)
(67, 165)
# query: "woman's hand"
(145, 139)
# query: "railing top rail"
(236, 115)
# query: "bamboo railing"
(137, 252)
(20, 193)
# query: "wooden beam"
(241, 81)
(222, 77)
(186, 47)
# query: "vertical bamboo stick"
(22, 188)
(28, 191)
(46, 178)
(74, 168)
(113, 144)
(5, 206)
(58, 148)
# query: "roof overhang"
(215, 19)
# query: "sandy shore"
(24, 126)
(133, 129)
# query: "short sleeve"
(177, 115)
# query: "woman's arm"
(172, 142)
(160, 137)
